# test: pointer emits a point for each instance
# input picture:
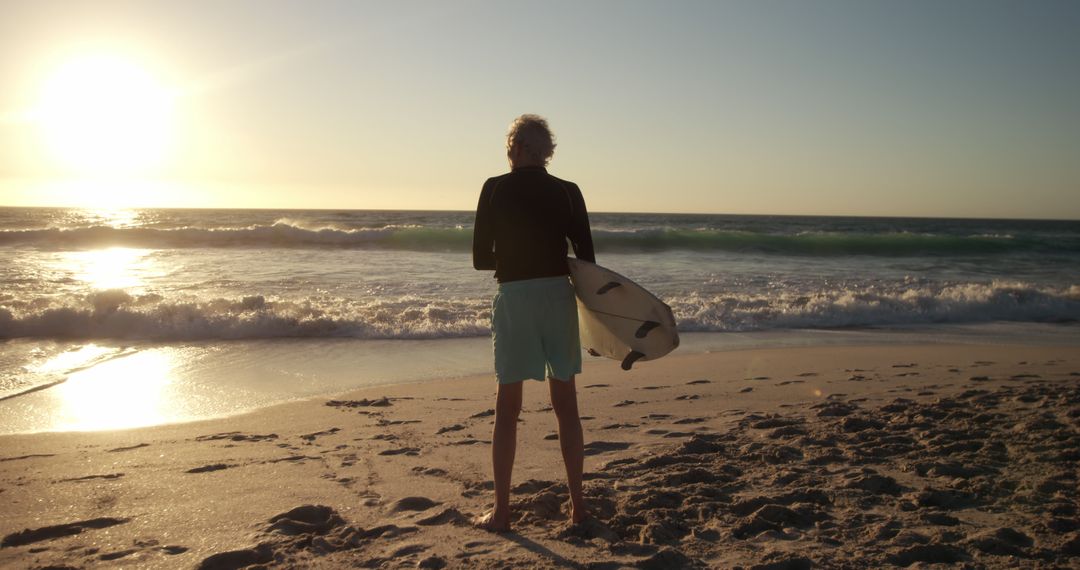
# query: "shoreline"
(389, 485)
(219, 379)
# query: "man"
(523, 221)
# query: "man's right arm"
(483, 245)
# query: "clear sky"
(860, 107)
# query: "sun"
(105, 115)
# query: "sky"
(858, 107)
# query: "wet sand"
(825, 457)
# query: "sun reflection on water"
(112, 268)
(111, 217)
(72, 359)
(122, 393)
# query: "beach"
(262, 264)
(801, 457)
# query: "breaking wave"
(115, 314)
(894, 304)
(291, 234)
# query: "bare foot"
(578, 516)
(492, 523)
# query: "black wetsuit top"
(523, 221)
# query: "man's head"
(529, 142)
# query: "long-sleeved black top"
(523, 221)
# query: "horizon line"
(757, 215)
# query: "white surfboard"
(618, 318)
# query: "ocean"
(227, 293)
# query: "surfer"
(523, 222)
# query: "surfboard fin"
(645, 328)
(608, 287)
(592, 351)
(631, 358)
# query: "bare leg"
(503, 449)
(571, 440)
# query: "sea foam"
(287, 233)
(116, 314)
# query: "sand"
(791, 458)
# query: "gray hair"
(532, 134)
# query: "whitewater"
(189, 314)
(168, 275)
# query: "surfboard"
(618, 318)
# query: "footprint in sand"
(209, 468)
(433, 562)
(311, 436)
(598, 447)
(447, 429)
(483, 414)
(470, 441)
(289, 458)
(598, 386)
(446, 516)
(128, 448)
(407, 551)
(260, 554)
(92, 477)
(118, 554)
(385, 422)
(411, 451)
(688, 397)
(305, 519)
(696, 382)
(365, 403)
(475, 548)
(32, 535)
(414, 504)
(237, 436)
(388, 531)
(31, 456)
(432, 471)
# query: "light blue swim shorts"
(534, 330)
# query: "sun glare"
(105, 115)
(122, 393)
(111, 268)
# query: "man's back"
(523, 221)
